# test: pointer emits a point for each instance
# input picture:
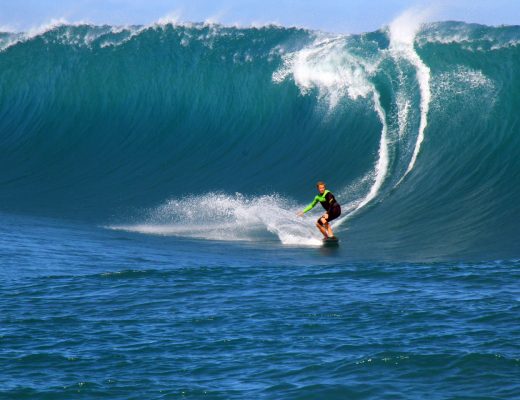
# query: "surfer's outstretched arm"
(309, 207)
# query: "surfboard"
(331, 241)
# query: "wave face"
(414, 128)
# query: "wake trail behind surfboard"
(215, 216)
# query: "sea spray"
(217, 216)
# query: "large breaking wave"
(221, 132)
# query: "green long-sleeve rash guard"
(326, 199)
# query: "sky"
(341, 16)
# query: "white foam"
(508, 44)
(442, 38)
(132, 30)
(462, 35)
(464, 83)
(472, 78)
(381, 166)
(216, 216)
(46, 27)
(404, 106)
(68, 36)
(402, 32)
(33, 32)
(327, 66)
(173, 18)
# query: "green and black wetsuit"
(329, 203)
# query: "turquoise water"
(150, 179)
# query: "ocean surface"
(150, 178)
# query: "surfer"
(331, 206)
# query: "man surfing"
(332, 210)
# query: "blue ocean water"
(150, 178)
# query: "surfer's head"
(320, 186)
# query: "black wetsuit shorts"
(334, 212)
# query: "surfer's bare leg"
(322, 230)
(324, 227)
(329, 229)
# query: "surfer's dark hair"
(320, 183)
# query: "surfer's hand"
(299, 214)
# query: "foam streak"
(402, 38)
